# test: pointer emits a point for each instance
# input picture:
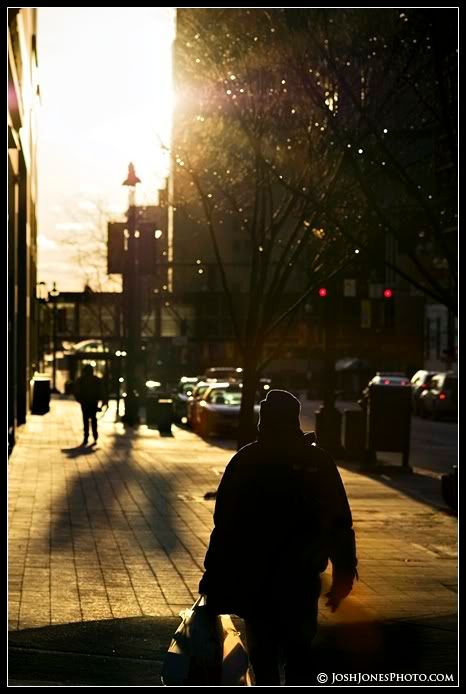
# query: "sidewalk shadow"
(421, 645)
(116, 491)
(218, 442)
(130, 651)
(108, 652)
(163, 433)
(78, 451)
(422, 488)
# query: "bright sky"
(106, 100)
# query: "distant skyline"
(105, 79)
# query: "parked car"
(441, 398)
(89, 346)
(218, 410)
(223, 373)
(389, 378)
(386, 378)
(181, 396)
(419, 383)
(193, 400)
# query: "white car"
(441, 398)
(420, 382)
(181, 396)
(384, 378)
(89, 346)
(223, 373)
(389, 378)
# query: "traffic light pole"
(54, 347)
(132, 308)
(328, 417)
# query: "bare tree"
(87, 240)
(385, 84)
(246, 155)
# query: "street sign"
(366, 313)
(375, 291)
(349, 287)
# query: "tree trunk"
(247, 425)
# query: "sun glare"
(106, 100)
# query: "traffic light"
(322, 292)
(389, 308)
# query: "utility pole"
(132, 304)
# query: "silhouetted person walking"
(89, 391)
(281, 513)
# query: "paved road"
(434, 445)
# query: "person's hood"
(279, 415)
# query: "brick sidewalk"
(120, 530)
(113, 531)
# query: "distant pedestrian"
(89, 391)
(281, 513)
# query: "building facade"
(23, 103)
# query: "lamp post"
(131, 302)
(119, 355)
(41, 299)
(53, 294)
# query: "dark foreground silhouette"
(129, 652)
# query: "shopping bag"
(206, 650)
(235, 661)
(194, 656)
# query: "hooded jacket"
(281, 513)
(89, 389)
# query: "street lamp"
(119, 355)
(53, 294)
(131, 302)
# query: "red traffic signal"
(387, 293)
(322, 292)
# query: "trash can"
(40, 401)
(389, 419)
(159, 411)
(449, 484)
(328, 430)
(354, 434)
